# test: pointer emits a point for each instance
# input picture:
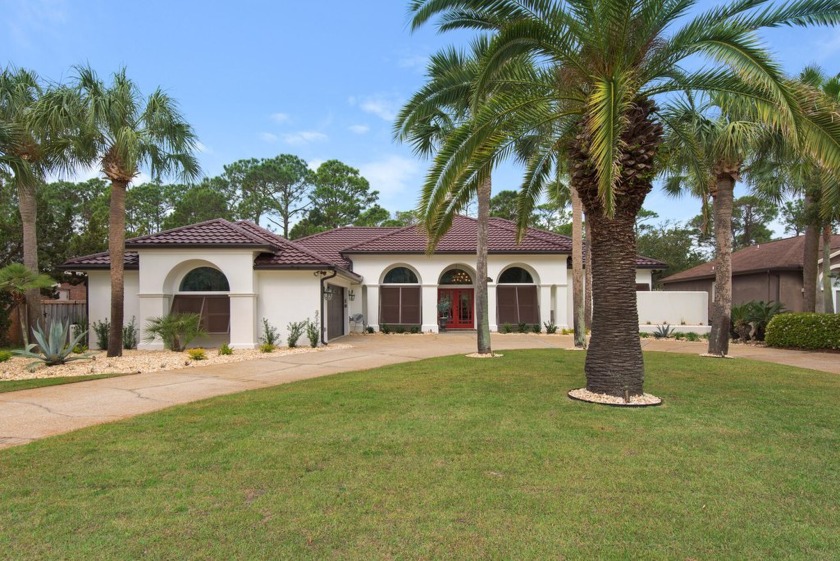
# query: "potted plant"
(444, 307)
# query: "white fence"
(685, 311)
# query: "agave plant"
(55, 346)
(663, 331)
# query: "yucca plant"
(55, 346)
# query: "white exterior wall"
(99, 299)
(672, 307)
(645, 276)
(549, 272)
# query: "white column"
(430, 312)
(545, 302)
(150, 306)
(491, 306)
(243, 321)
(372, 312)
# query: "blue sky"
(321, 80)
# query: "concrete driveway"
(32, 414)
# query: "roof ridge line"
(297, 246)
(377, 238)
(542, 234)
(178, 229)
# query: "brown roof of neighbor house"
(779, 255)
(101, 261)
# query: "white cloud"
(359, 129)
(315, 163)
(415, 62)
(203, 148)
(280, 118)
(304, 137)
(384, 106)
(397, 179)
(268, 137)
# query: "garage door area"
(335, 313)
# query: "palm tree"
(600, 67)
(32, 144)
(124, 132)
(18, 280)
(434, 111)
(705, 151)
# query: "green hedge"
(804, 331)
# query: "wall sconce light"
(328, 292)
(351, 295)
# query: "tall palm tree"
(32, 145)
(442, 104)
(123, 132)
(705, 152)
(601, 66)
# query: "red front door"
(461, 313)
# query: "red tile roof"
(211, 233)
(100, 261)
(331, 243)
(781, 255)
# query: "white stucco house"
(236, 273)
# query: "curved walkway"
(28, 415)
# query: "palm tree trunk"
(28, 207)
(614, 361)
(482, 308)
(587, 285)
(811, 256)
(116, 250)
(578, 308)
(828, 292)
(722, 302)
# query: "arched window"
(400, 305)
(456, 276)
(400, 275)
(205, 279)
(517, 304)
(516, 275)
(213, 309)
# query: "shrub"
(370, 329)
(313, 332)
(55, 346)
(295, 329)
(760, 314)
(507, 328)
(679, 335)
(805, 331)
(79, 349)
(550, 327)
(101, 329)
(644, 334)
(197, 354)
(399, 329)
(567, 331)
(130, 333)
(176, 330)
(267, 348)
(384, 328)
(536, 328)
(522, 327)
(270, 334)
(692, 336)
(225, 350)
(5, 355)
(663, 331)
(415, 329)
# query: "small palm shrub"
(370, 329)
(644, 334)
(130, 333)
(225, 350)
(536, 328)
(507, 328)
(55, 346)
(270, 334)
(692, 336)
(384, 328)
(176, 330)
(399, 329)
(5, 356)
(313, 331)
(101, 329)
(522, 327)
(760, 313)
(197, 354)
(415, 329)
(663, 331)
(550, 327)
(295, 329)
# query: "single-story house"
(236, 273)
(767, 271)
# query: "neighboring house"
(767, 271)
(236, 273)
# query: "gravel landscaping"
(139, 361)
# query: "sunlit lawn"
(17, 385)
(449, 458)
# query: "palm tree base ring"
(644, 400)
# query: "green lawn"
(449, 458)
(16, 385)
